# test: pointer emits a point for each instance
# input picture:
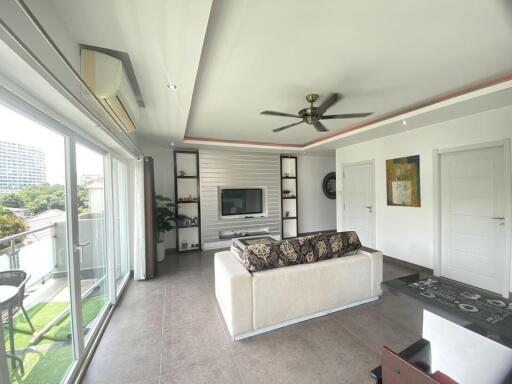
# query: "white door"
(473, 217)
(358, 200)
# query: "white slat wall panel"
(230, 168)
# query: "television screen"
(242, 201)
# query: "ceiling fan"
(312, 115)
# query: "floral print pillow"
(301, 250)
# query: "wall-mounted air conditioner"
(106, 77)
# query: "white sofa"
(253, 303)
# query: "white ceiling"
(232, 59)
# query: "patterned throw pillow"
(301, 250)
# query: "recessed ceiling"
(383, 56)
(232, 59)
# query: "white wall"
(403, 232)
(164, 180)
(316, 211)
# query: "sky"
(17, 128)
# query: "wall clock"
(329, 185)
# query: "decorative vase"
(160, 251)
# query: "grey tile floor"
(170, 330)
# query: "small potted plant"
(165, 222)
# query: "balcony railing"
(42, 252)
(34, 251)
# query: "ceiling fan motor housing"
(309, 115)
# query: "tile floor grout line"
(364, 343)
(226, 334)
(163, 327)
(239, 372)
(402, 324)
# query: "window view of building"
(20, 166)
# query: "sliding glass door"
(90, 179)
(34, 259)
(64, 247)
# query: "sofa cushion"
(284, 294)
(300, 250)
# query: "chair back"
(15, 278)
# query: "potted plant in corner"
(165, 222)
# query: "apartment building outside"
(20, 166)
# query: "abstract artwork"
(403, 181)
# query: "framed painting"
(403, 181)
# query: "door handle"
(368, 207)
(80, 248)
(497, 218)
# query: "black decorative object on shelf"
(329, 185)
(184, 222)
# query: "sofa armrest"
(376, 260)
(233, 290)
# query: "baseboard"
(409, 265)
(303, 318)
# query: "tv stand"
(226, 237)
(235, 234)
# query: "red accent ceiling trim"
(411, 108)
(422, 104)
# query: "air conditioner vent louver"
(106, 77)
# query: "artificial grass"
(48, 364)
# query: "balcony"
(47, 354)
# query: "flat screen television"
(242, 202)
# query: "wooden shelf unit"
(288, 175)
(190, 159)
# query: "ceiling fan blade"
(320, 127)
(346, 115)
(329, 101)
(274, 113)
(286, 126)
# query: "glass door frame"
(73, 253)
(83, 351)
(80, 348)
(115, 290)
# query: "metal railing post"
(54, 246)
(12, 255)
(13, 250)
